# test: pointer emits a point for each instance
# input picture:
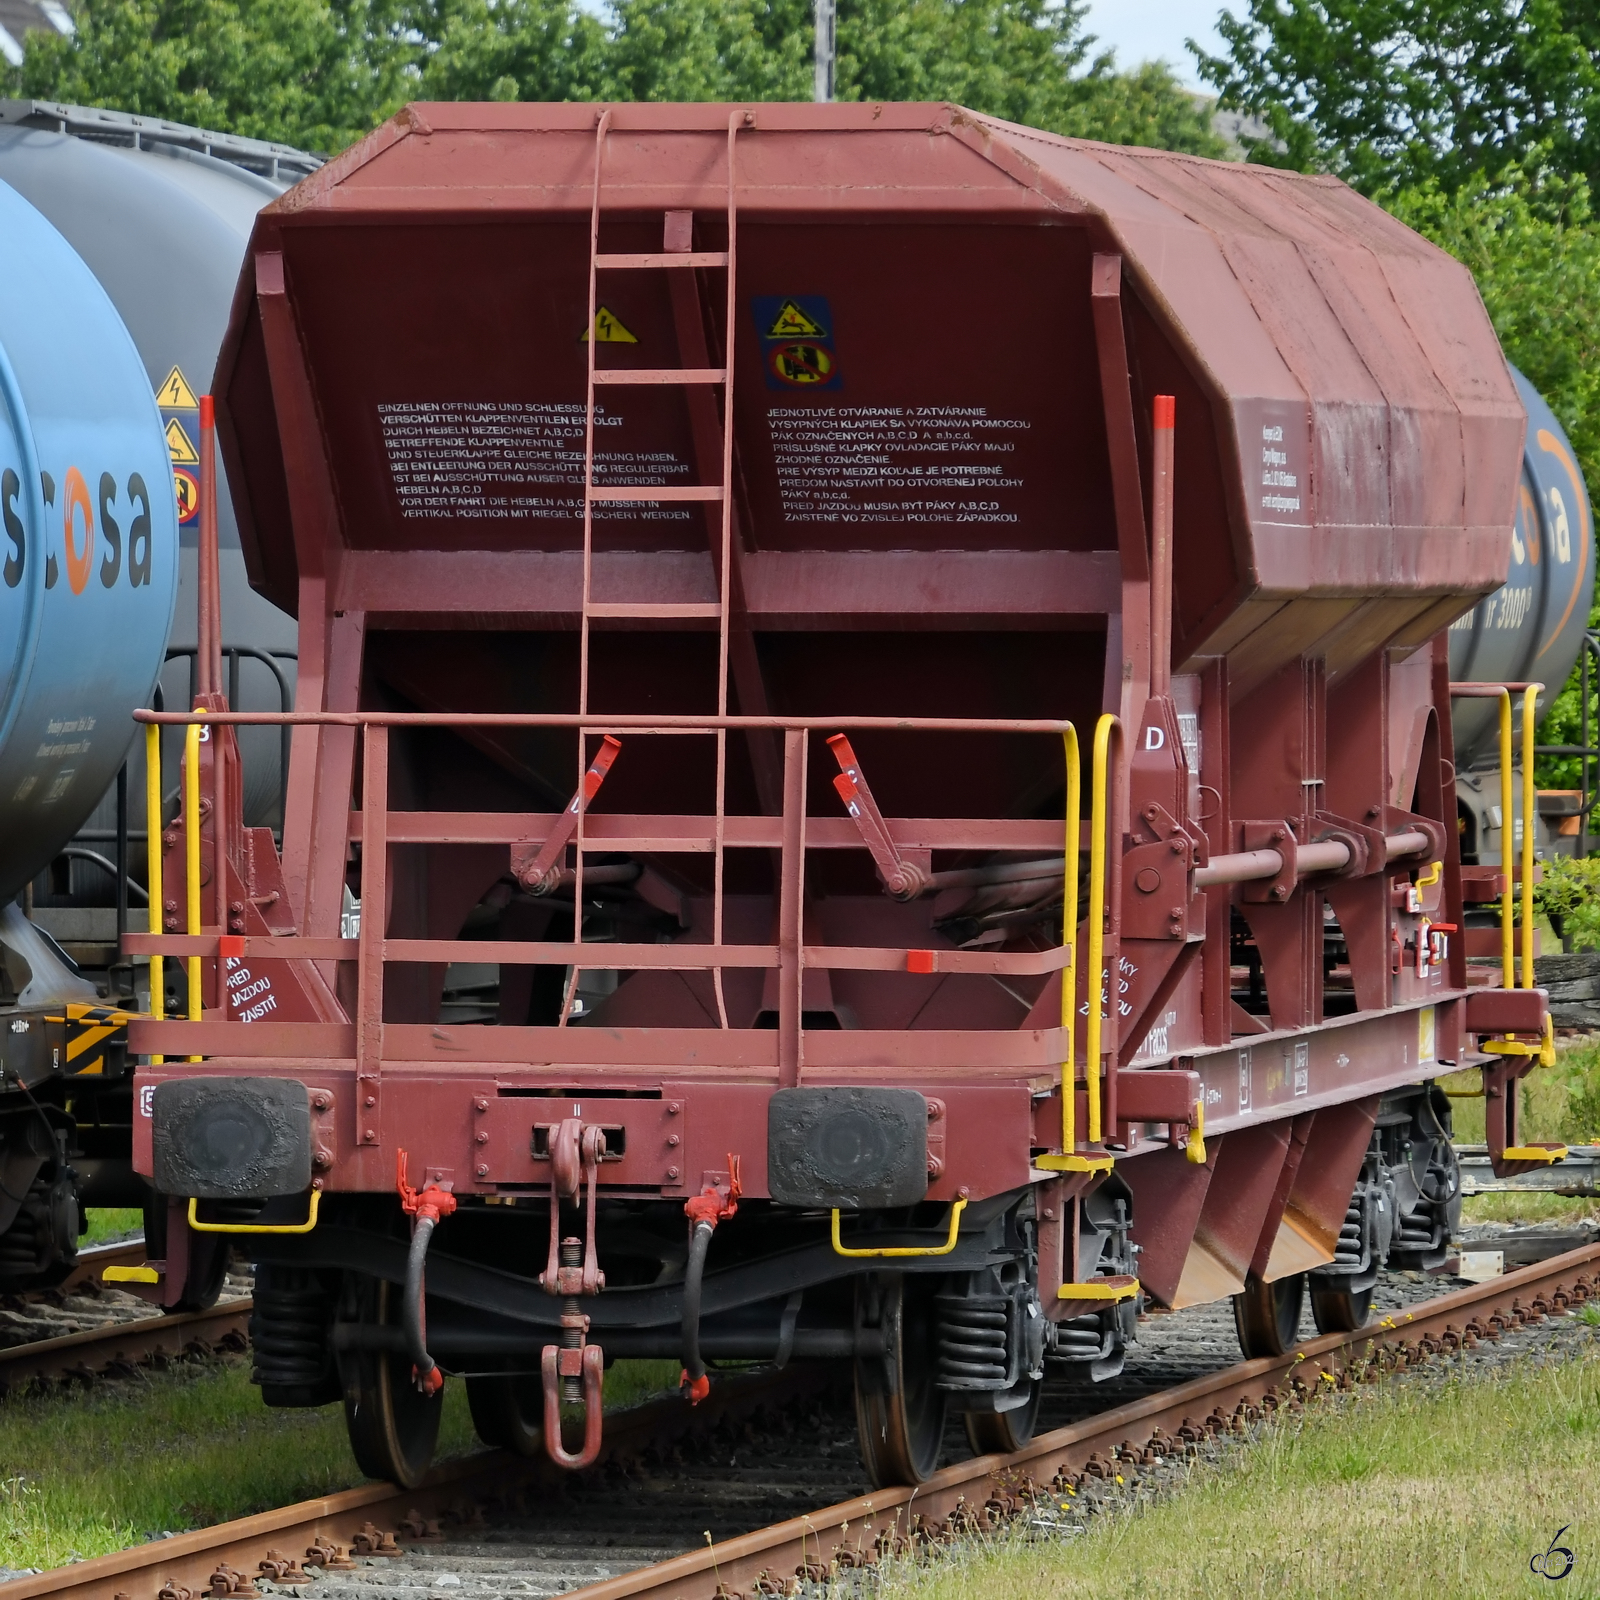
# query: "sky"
(1151, 30)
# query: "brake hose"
(693, 1367)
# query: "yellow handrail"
(1511, 947)
(152, 837)
(255, 1227)
(1508, 960)
(191, 834)
(1097, 916)
(1069, 938)
(1530, 697)
(899, 1250)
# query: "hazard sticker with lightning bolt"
(607, 330)
(797, 348)
(175, 393)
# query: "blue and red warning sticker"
(187, 488)
(796, 332)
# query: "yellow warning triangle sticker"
(179, 446)
(607, 330)
(175, 393)
(792, 323)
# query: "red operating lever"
(904, 880)
(539, 872)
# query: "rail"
(791, 835)
(118, 1345)
(840, 1538)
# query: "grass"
(1560, 1102)
(108, 1225)
(1410, 1491)
(86, 1473)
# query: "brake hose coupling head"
(716, 1203)
(430, 1204)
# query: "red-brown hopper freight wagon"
(786, 594)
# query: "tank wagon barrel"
(870, 769)
(87, 585)
(1532, 627)
(126, 235)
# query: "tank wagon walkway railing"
(538, 843)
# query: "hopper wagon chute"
(820, 628)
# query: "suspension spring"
(1351, 1236)
(289, 1328)
(972, 1341)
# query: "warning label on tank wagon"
(930, 463)
(517, 459)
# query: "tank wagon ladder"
(677, 256)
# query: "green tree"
(1145, 105)
(1532, 242)
(1024, 60)
(320, 73)
(1394, 92)
(315, 73)
(511, 50)
(710, 50)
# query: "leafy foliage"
(1398, 92)
(320, 73)
(1580, 1070)
(506, 50)
(1478, 123)
(316, 73)
(1532, 241)
(1569, 894)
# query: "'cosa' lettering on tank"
(113, 522)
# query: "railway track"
(120, 1345)
(779, 1445)
(105, 1329)
(93, 1261)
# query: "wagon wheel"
(392, 1427)
(1267, 1315)
(1001, 1432)
(508, 1412)
(899, 1410)
(209, 1254)
(1341, 1310)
